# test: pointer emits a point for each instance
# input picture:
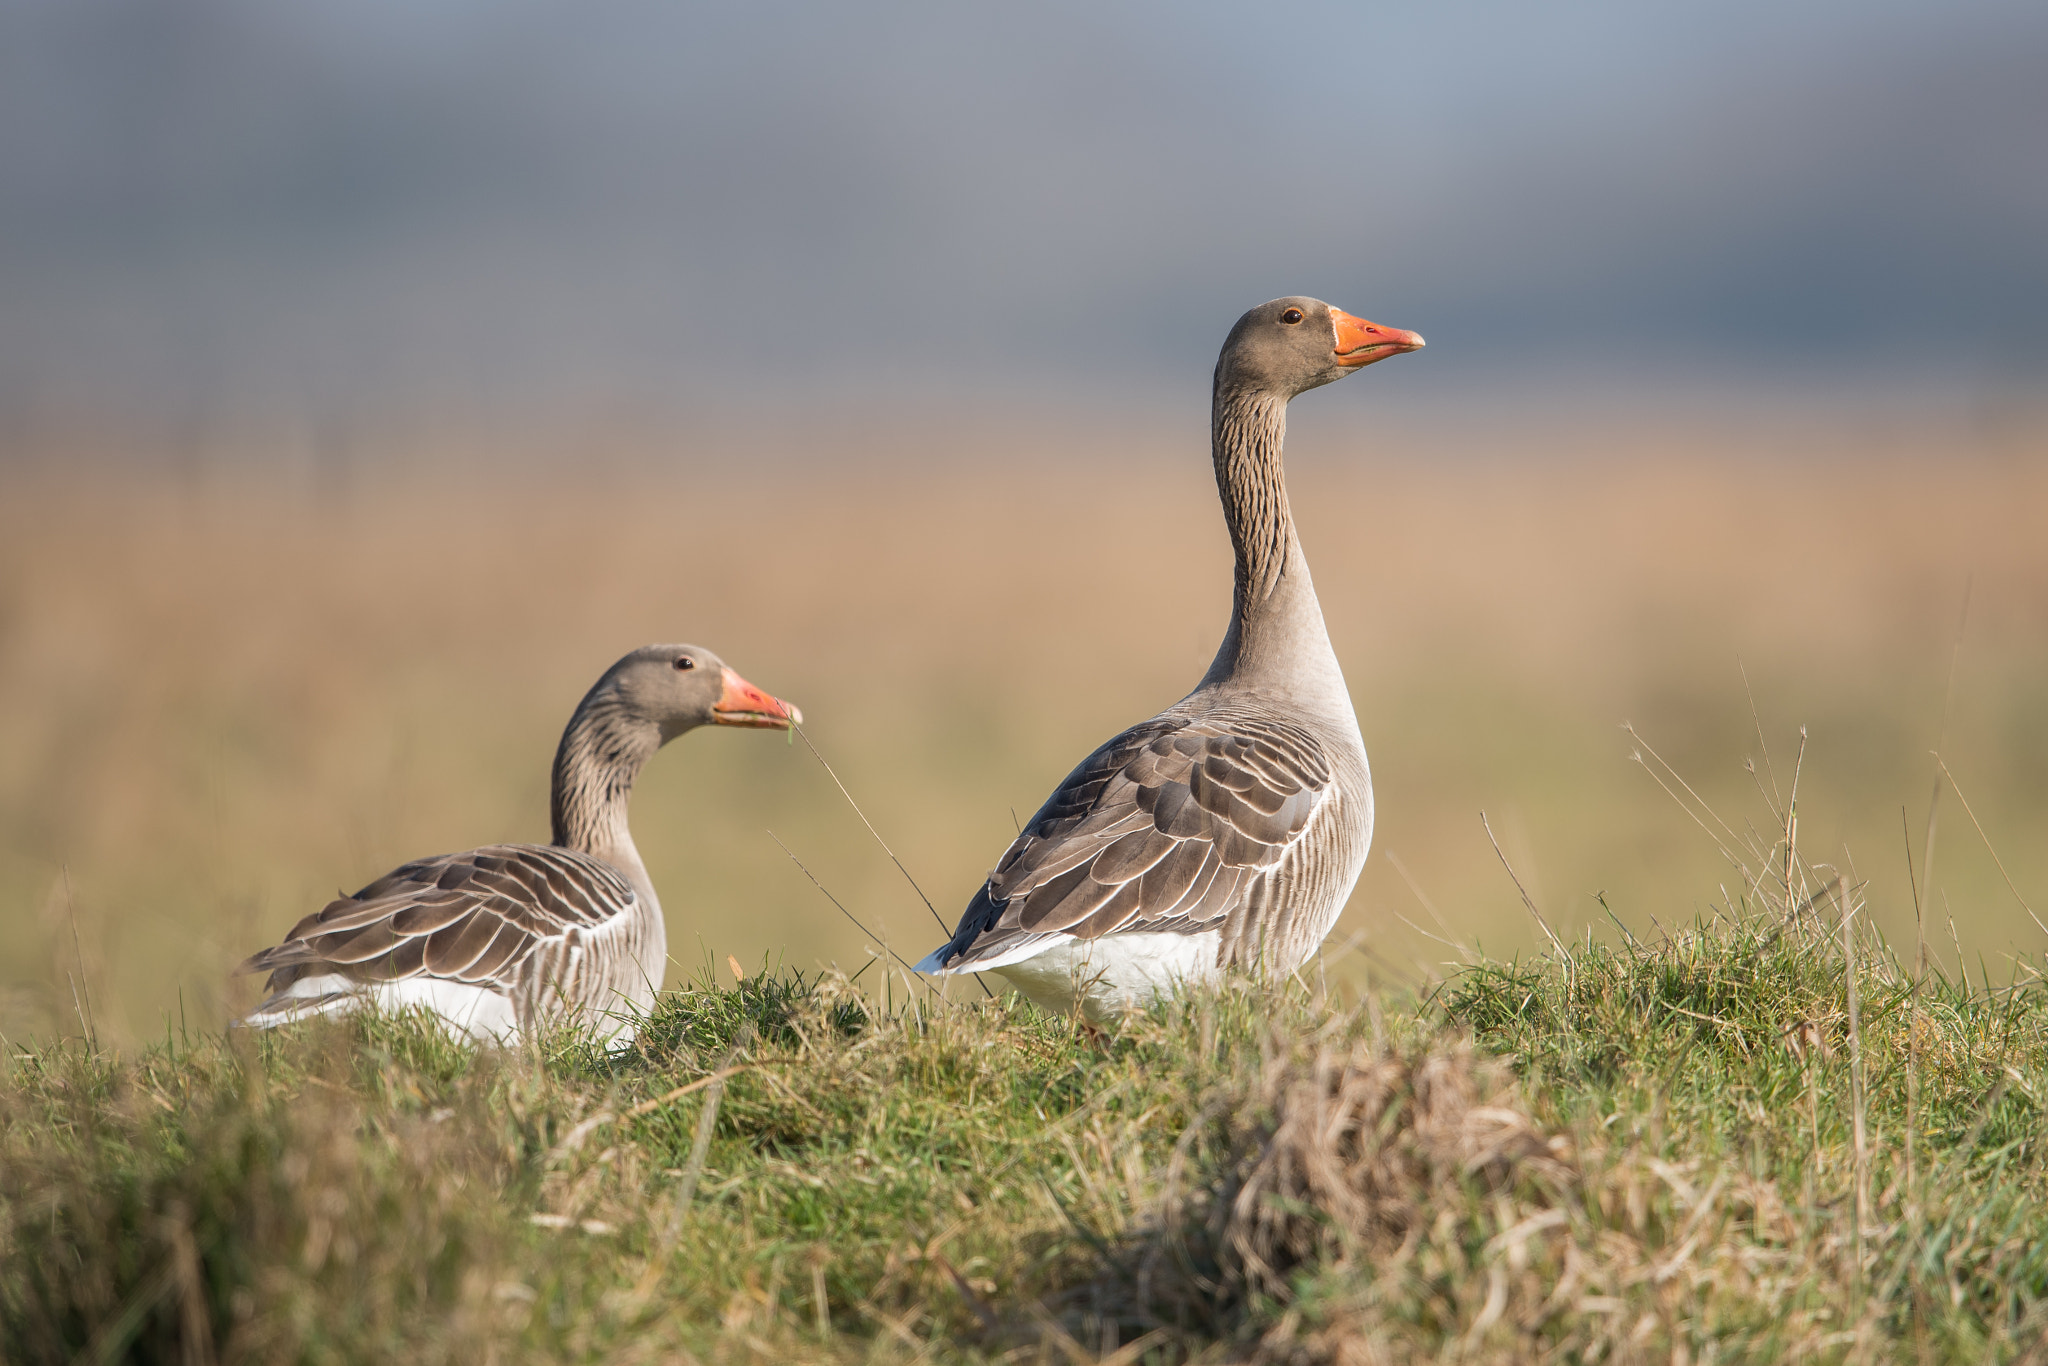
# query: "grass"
(1642, 1152)
(1762, 1136)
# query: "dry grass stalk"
(1989, 847)
(1527, 900)
(1924, 891)
(1792, 831)
(1856, 1096)
(831, 773)
(1752, 882)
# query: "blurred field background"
(372, 375)
(229, 691)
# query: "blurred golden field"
(233, 681)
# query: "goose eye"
(685, 662)
(1290, 316)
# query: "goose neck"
(602, 752)
(1248, 428)
(1276, 636)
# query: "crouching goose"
(1227, 831)
(497, 940)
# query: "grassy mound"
(1721, 1146)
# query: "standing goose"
(1227, 831)
(498, 940)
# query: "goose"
(500, 940)
(1228, 831)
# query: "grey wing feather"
(1165, 828)
(469, 917)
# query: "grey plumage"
(1162, 829)
(1242, 812)
(502, 939)
(540, 925)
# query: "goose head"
(681, 687)
(1291, 345)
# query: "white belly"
(1114, 975)
(479, 1012)
(476, 1012)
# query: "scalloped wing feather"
(1168, 827)
(472, 917)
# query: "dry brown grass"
(226, 691)
(1358, 1144)
(1391, 1173)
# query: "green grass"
(1646, 1152)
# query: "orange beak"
(1360, 343)
(743, 704)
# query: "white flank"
(1107, 977)
(481, 1013)
(1016, 953)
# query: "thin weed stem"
(81, 990)
(1792, 829)
(1948, 697)
(1450, 939)
(1988, 846)
(842, 909)
(1913, 1024)
(985, 989)
(1856, 1097)
(1776, 804)
(1563, 953)
(871, 828)
(1752, 881)
(1635, 735)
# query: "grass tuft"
(1646, 1153)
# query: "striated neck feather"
(1248, 428)
(1276, 636)
(601, 753)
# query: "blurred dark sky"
(347, 204)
